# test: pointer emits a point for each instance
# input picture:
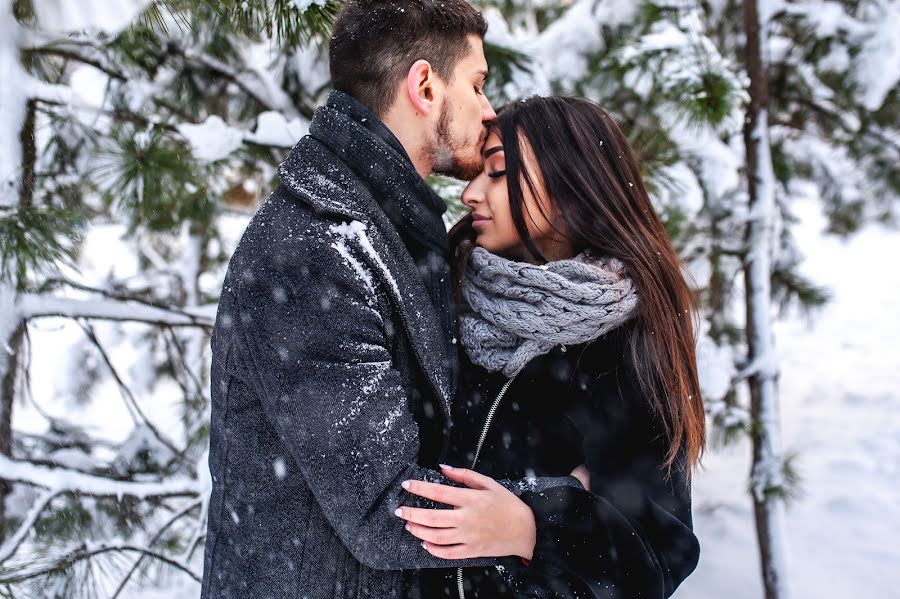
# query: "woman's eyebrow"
(491, 151)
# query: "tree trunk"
(767, 474)
(18, 125)
(9, 367)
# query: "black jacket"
(631, 536)
(329, 388)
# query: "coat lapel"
(316, 177)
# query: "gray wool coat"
(325, 349)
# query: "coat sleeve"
(631, 535)
(313, 347)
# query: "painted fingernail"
(398, 512)
(405, 485)
(424, 546)
(446, 467)
(407, 526)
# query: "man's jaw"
(444, 161)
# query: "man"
(333, 350)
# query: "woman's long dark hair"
(591, 178)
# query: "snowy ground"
(841, 412)
(840, 389)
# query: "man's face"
(464, 115)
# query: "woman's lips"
(478, 221)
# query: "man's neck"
(411, 140)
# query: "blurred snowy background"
(139, 136)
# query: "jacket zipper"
(484, 431)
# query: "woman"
(578, 356)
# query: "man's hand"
(486, 520)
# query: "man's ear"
(420, 86)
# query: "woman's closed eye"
(497, 174)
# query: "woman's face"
(488, 198)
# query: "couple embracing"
(508, 410)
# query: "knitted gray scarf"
(519, 311)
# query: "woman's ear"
(420, 86)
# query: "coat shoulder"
(287, 236)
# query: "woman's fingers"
(447, 551)
(436, 536)
(583, 475)
(470, 478)
(441, 493)
(432, 518)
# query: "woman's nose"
(472, 194)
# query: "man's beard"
(453, 156)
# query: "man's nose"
(487, 111)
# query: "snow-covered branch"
(764, 366)
(69, 52)
(63, 16)
(52, 93)
(254, 84)
(64, 480)
(33, 305)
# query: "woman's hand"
(486, 520)
(583, 475)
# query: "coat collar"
(315, 176)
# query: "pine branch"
(41, 568)
(119, 114)
(199, 532)
(70, 54)
(178, 515)
(51, 284)
(789, 287)
(36, 238)
(38, 461)
(9, 548)
(835, 117)
(730, 421)
(31, 305)
(195, 381)
(249, 82)
(778, 479)
(65, 480)
(130, 400)
(765, 367)
(52, 441)
(281, 20)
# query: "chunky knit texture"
(520, 311)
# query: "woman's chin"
(488, 246)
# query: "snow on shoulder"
(357, 230)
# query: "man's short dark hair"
(375, 43)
